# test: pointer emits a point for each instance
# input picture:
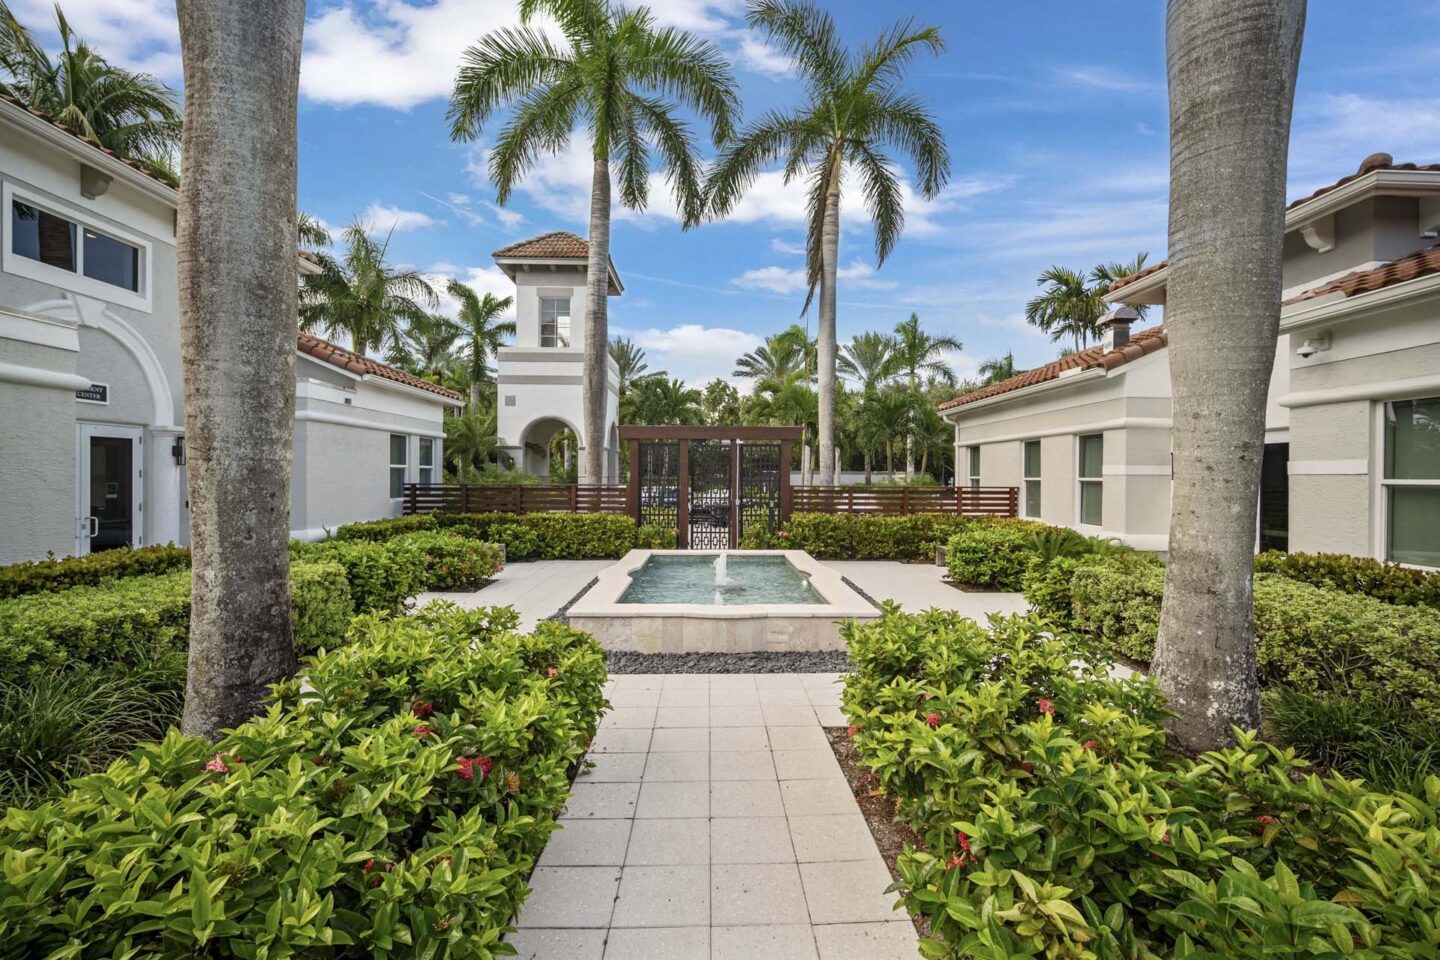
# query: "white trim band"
(36, 377)
(1329, 468)
(1136, 470)
(1382, 390)
(316, 416)
(1120, 423)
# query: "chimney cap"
(1376, 161)
(1121, 314)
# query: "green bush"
(1377, 579)
(320, 605)
(846, 536)
(992, 553)
(389, 806)
(381, 579)
(379, 531)
(450, 561)
(46, 576)
(1055, 821)
(526, 536)
(653, 536)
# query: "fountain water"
(721, 578)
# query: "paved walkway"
(919, 586)
(536, 589)
(715, 825)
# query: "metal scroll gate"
(710, 484)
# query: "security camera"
(1313, 346)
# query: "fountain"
(720, 567)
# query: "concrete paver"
(920, 586)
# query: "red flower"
(964, 842)
(1027, 766)
(369, 865)
(421, 730)
(552, 673)
(1089, 745)
(933, 719)
(422, 709)
(956, 861)
(783, 533)
(1266, 819)
(466, 769)
(217, 764)
(853, 732)
(485, 764)
(1046, 707)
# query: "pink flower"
(1089, 745)
(964, 842)
(217, 764)
(853, 732)
(421, 730)
(933, 719)
(485, 764)
(422, 709)
(956, 862)
(1046, 707)
(552, 673)
(1266, 819)
(369, 864)
(466, 769)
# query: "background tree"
(1107, 273)
(790, 351)
(624, 80)
(364, 298)
(131, 113)
(630, 361)
(869, 359)
(920, 354)
(721, 403)
(484, 329)
(471, 441)
(786, 400)
(1066, 308)
(235, 243)
(427, 347)
(661, 400)
(1232, 66)
(855, 109)
(887, 416)
(998, 369)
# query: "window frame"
(1081, 480)
(74, 281)
(554, 335)
(1389, 484)
(425, 472)
(1026, 478)
(403, 467)
(972, 465)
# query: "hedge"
(860, 536)
(381, 579)
(138, 619)
(527, 536)
(45, 576)
(389, 806)
(993, 553)
(450, 561)
(1377, 579)
(1055, 820)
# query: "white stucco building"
(1352, 452)
(91, 401)
(541, 378)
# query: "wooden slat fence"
(965, 501)
(515, 498)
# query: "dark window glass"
(42, 236)
(111, 261)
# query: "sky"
(1054, 113)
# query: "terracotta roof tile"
(561, 245)
(1093, 358)
(1421, 263)
(1376, 161)
(338, 356)
(1131, 278)
(140, 168)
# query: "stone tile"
(558, 944)
(658, 843)
(587, 843)
(686, 681)
(821, 680)
(621, 741)
(637, 681)
(683, 716)
(659, 943)
(814, 798)
(604, 801)
(794, 941)
(770, 681)
(742, 765)
(671, 767)
(738, 738)
(798, 738)
(734, 697)
(663, 897)
(894, 940)
(612, 768)
(570, 897)
(750, 840)
(673, 800)
(732, 681)
(825, 696)
(736, 717)
(754, 894)
(799, 715)
(836, 837)
(849, 892)
(746, 798)
(634, 697)
(628, 718)
(680, 740)
(806, 764)
(685, 698)
(784, 696)
(831, 717)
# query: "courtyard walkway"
(536, 589)
(919, 586)
(715, 825)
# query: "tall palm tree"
(1107, 273)
(1067, 306)
(1232, 66)
(630, 360)
(131, 113)
(886, 415)
(481, 323)
(787, 399)
(622, 78)
(855, 110)
(427, 346)
(361, 296)
(235, 241)
(789, 351)
(868, 359)
(661, 400)
(920, 354)
(470, 440)
(998, 369)
(310, 233)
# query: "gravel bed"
(766, 661)
(563, 614)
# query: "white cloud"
(482, 280)
(1108, 79)
(858, 275)
(692, 352)
(1332, 133)
(760, 57)
(139, 34)
(383, 218)
(785, 246)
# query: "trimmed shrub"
(381, 579)
(992, 553)
(390, 806)
(49, 575)
(653, 536)
(320, 605)
(1055, 821)
(450, 561)
(379, 531)
(1377, 579)
(526, 536)
(861, 536)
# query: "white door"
(108, 488)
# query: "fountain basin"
(669, 601)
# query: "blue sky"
(1055, 115)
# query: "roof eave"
(1084, 376)
(1149, 290)
(1335, 307)
(1375, 183)
(411, 390)
(509, 265)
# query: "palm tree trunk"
(826, 348)
(910, 434)
(1232, 66)
(869, 473)
(235, 240)
(597, 329)
(477, 370)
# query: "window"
(111, 261)
(974, 466)
(427, 460)
(399, 462)
(1032, 478)
(48, 238)
(1412, 481)
(554, 321)
(1092, 487)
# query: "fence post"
(573, 491)
(905, 501)
(682, 499)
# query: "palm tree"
(310, 233)
(624, 80)
(998, 369)
(1067, 307)
(470, 440)
(658, 400)
(789, 351)
(920, 354)
(480, 323)
(630, 360)
(868, 359)
(789, 400)
(1107, 273)
(721, 402)
(427, 347)
(885, 415)
(855, 110)
(363, 297)
(131, 113)
(1227, 228)
(235, 241)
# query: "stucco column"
(164, 486)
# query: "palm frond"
(504, 66)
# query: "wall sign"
(95, 393)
